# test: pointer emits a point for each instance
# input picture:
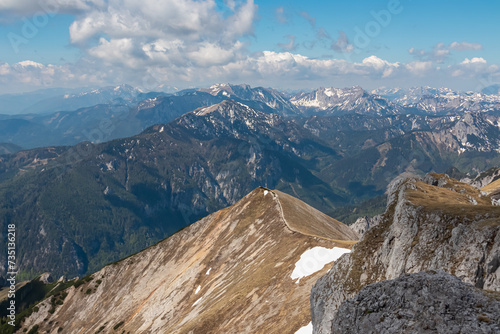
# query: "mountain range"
(88, 205)
(115, 112)
(272, 264)
(210, 148)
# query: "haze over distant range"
(177, 44)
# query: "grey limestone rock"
(417, 234)
(426, 302)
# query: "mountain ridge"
(431, 223)
(230, 271)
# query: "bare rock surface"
(431, 223)
(426, 302)
(363, 224)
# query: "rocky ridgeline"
(248, 268)
(427, 302)
(431, 223)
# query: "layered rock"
(235, 271)
(430, 223)
(427, 302)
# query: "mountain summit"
(239, 270)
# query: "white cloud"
(419, 68)
(173, 63)
(195, 43)
(212, 55)
(174, 35)
(474, 60)
(14, 9)
(463, 46)
(116, 51)
(188, 20)
(29, 63)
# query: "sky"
(288, 45)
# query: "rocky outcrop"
(427, 302)
(363, 224)
(239, 270)
(484, 178)
(46, 278)
(430, 223)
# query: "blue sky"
(162, 44)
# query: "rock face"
(431, 223)
(227, 273)
(363, 224)
(427, 302)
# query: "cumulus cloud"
(207, 64)
(475, 67)
(475, 60)
(32, 74)
(175, 34)
(195, 43)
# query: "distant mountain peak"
(231, 110)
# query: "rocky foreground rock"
(427, 302)
(431, 223)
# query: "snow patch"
(307, 329)
(265, 192)
(208, 271)
(315, 259)
(196, 302)
(162, 128)
(197, 289)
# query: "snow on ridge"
(315, 259)
(307, 329)
(197, 289)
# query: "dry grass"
(304, 219)
(455, 198)
(492, 187)
(4, 293)
(250, 252)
